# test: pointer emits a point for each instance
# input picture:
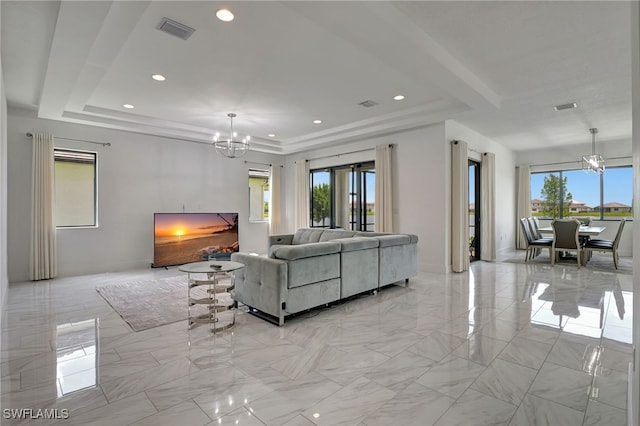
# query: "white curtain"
(275, 204)
(42, 262)
(524, 202)
(384, 196)
(301, 213)
(487, 207)
(342, 198)
(459, 207)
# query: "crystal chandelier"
(231, 146)
(593, 163)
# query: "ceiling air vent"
(368, 104)
(565, 106)
(174, 28)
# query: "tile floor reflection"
(504, 343)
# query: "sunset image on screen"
(191, 237)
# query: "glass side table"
(218, 296)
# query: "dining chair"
(566, 238)
(533, 243)
(534, 225)
(534, 228)
(536, 221)
(607, 245)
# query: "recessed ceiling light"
(128, 106)
(570, 105)
(272, 135)
(317, 121)
(158, 77)
(398, 97)
(225, 15)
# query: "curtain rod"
(29, 134)
(346, 153)
(455, 142)
(257, 162)
(576, 161)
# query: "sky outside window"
(618, 186)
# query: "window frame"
(259, 173)
(95, 185)
(601, 192)
(358, 211)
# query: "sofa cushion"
(307, 235)
(301, 251)
(333, 234)
(393, 240)
(357, 243)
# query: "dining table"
(584, 231)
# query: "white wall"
(137, 176)
(634, 395)
(4, 277)
(617, 153)
(420, 162)
(505, 190)
(422, 191)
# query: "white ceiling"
(497, 67)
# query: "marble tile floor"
(504, 343)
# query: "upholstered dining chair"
(534, 225)
(537, 222)
(534, 228)
(566, 237)
(533, 244)
(607, 245)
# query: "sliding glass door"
(474, 210)
(321, 213)
(343, 197)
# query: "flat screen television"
(193, 237)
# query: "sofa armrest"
(283, 239)
(262, 283)
(302, 251)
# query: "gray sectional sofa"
(316, 266)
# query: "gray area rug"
(598, 262)
(149, 304)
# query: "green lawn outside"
(592, 214)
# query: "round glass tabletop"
(210, 266)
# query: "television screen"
(193, 237)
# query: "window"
(568, 193)
(258, 195)
(617, 193)
(75, 188)
(321, 206)
(343, 197)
